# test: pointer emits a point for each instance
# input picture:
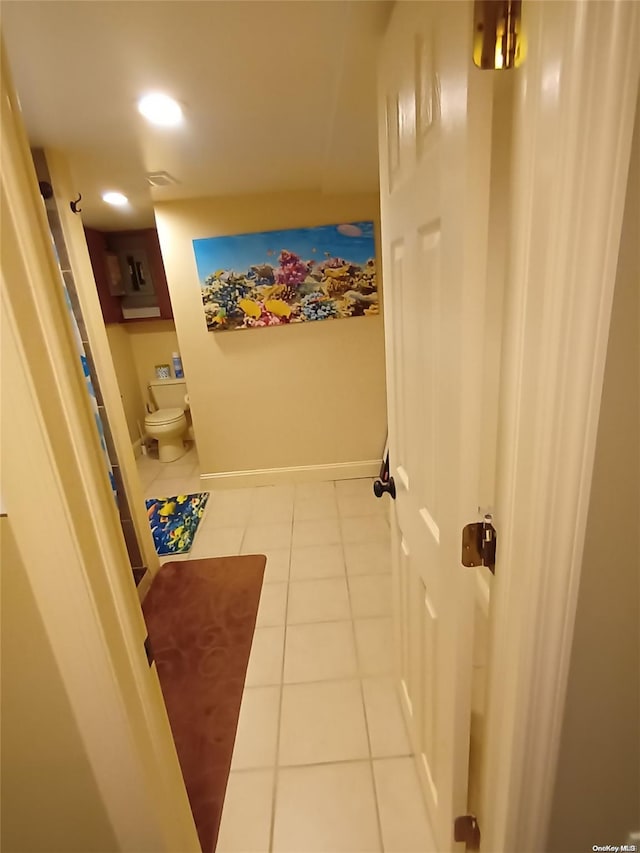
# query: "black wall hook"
(74, 204)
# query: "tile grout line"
(244, 533)
(309, 764)
(332, 621)
(357, 677)
(362, 699)
(276, 768)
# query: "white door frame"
(572, 140)
(76, 561)
(574, 112)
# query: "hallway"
(321, 760)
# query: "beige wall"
(127, 376)
(50, 801)
(597, 792)
(300, 395)
(151, 342)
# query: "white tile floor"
(322, 759)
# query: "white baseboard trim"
(137, 447)
(297, 474)
(145, 585)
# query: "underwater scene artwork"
(295, 276)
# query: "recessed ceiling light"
(118, 199)
(160, 109)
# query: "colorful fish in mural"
(248, 289)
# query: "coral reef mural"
(277, 277)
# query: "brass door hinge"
(498, 42)
(466, 829)
(479, 544)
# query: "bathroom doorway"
(155, 396)
(132, 369)
(136, 308)
(156, 406)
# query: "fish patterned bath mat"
(174, 521)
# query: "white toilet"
(168, 424)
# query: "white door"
(435, 145)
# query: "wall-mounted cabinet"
(129, 274)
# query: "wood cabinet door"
(145, 245)
(110, 304)
(152, 245)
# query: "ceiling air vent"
(160, 179)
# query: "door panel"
(400, 391)
(428, 307)
(435, 145)
(404, 611)
(429, 686)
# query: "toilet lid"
(164, 416)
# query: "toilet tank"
(168, 393)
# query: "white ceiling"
(277, 95)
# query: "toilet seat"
(163, 417)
